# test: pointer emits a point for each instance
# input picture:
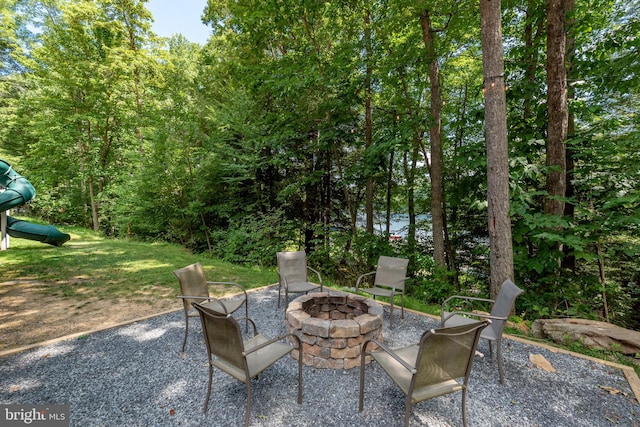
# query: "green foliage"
(430, 283)
(255, 240)
(256, 142)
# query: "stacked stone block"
(332, 328)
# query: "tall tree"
(368, 110)
(85, 73)
(435, 138)
(501, 257)
(557, 107)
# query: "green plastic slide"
(18, 191)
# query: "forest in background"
(299, 120)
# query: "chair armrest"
(282, 279)
(386, 349)
(464, 298)
(317, 274)
(273, 340)
(467, 298)
(393, 286)
(467, 313)
(361, 277)
(219, 301)
(194, 297)
(250, 320)
(230, 283)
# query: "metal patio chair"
(243, 360)
(439, 364)
(389, 281)
(195, 288)
(500, 309)
(293, 275)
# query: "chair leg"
(246, 316)
(403, 305)
(300, 375)
(499, 356)
(464, 406)
(361, 398)
(407, 411)
(247, 416)
(279, 288)
(391, 314)
(186, 331)
(206, 400)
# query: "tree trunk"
(368, 126)
(417, 147)
(95, 208)
(531, 56)
(410, 164)
(435, 137)
(353, 214)
(499, 223)
(556, 107)
(389, 194)
(569, 261)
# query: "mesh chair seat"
(300, 287)
(226, 306)
(454, 319)
(257, 361)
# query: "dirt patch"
(27, 316)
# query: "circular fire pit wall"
(332, 328)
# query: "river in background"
(399, 225)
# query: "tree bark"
(94, 205)
(499, 223)
(368, 126)
(532, 32)
(569, 261)
(435, 138)
(389, 195)
(556, 184)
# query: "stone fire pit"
(332, 328)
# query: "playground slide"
(18, 191)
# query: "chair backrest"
(293, 266)
(223, 337)
(192, 283)
(503, 304)
(391, 271)
(447, 353)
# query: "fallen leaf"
(611, 390)
(172, 412)
(540, 362)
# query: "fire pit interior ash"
(332, 328)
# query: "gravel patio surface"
(135, 375)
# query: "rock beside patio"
(591, 333)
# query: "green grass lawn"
(90, 265)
